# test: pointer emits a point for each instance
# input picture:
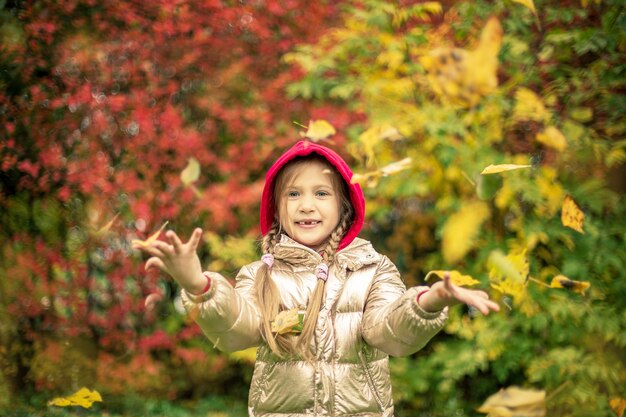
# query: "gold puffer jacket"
(367, 315)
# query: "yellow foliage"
(529, 4)
(83, 398)
(529, 107)
(464, 77)
(571, 215)
(461, 229)
(618, 405)
(551, 191)
(552, 138)
(515, 402)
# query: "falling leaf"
(370, 179)
(552, 138)
(83, 398)
(571, 215)
(318, 130)
(509, 275)
(191, 173)
(515, 402)
(561, 281)
(461, 229)
(494, 169)
(618, 405)
(151, 239)
(105, 229)
(528, 3)
(287, 321)
(455, 277)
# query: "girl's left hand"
(445, 293)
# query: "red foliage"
(104, 104)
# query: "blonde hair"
(267, 292)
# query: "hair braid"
(315, 302)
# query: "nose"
(307, 204)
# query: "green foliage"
(558, 107)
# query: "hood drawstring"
(321, 272)
(268, 259)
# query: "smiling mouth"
(308, 223)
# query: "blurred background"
(116, 117)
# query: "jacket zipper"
(370, 381)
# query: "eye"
(292, 194)
(323, 193)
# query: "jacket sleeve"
(228, 316)
(392, 320)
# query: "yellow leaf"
(287, 321)
(455, 277)
(571, 215)
(370, 179)
(151, 239)
(552, 138)
(83, 398)
(528, 3)
(513, 266)
(105, 229)
(396, 167)
(495, 169)
(618, 405)
(247, 355)
(515, 402)
(191, 173)
(318, 130)
(461, 228)
(529, 106)
(561, 281)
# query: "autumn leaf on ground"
(151, 239)
(318, 130)
(83, 398)
(618, 405)
(561, 281)
(515, 402)
(191, 173)
(287, 321)
(571, 215)
(461, 229)
(495, 169)
(455, 277)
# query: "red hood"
(304, 148)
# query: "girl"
(356, 310)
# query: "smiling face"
(309, 200)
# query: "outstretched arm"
(444, 294)
(226, 315)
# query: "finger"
(165, 248)
(155, 262)
(194, 240)
(152, 250)
(174, 240)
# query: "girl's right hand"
(178, 259)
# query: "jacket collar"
(357, 254)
